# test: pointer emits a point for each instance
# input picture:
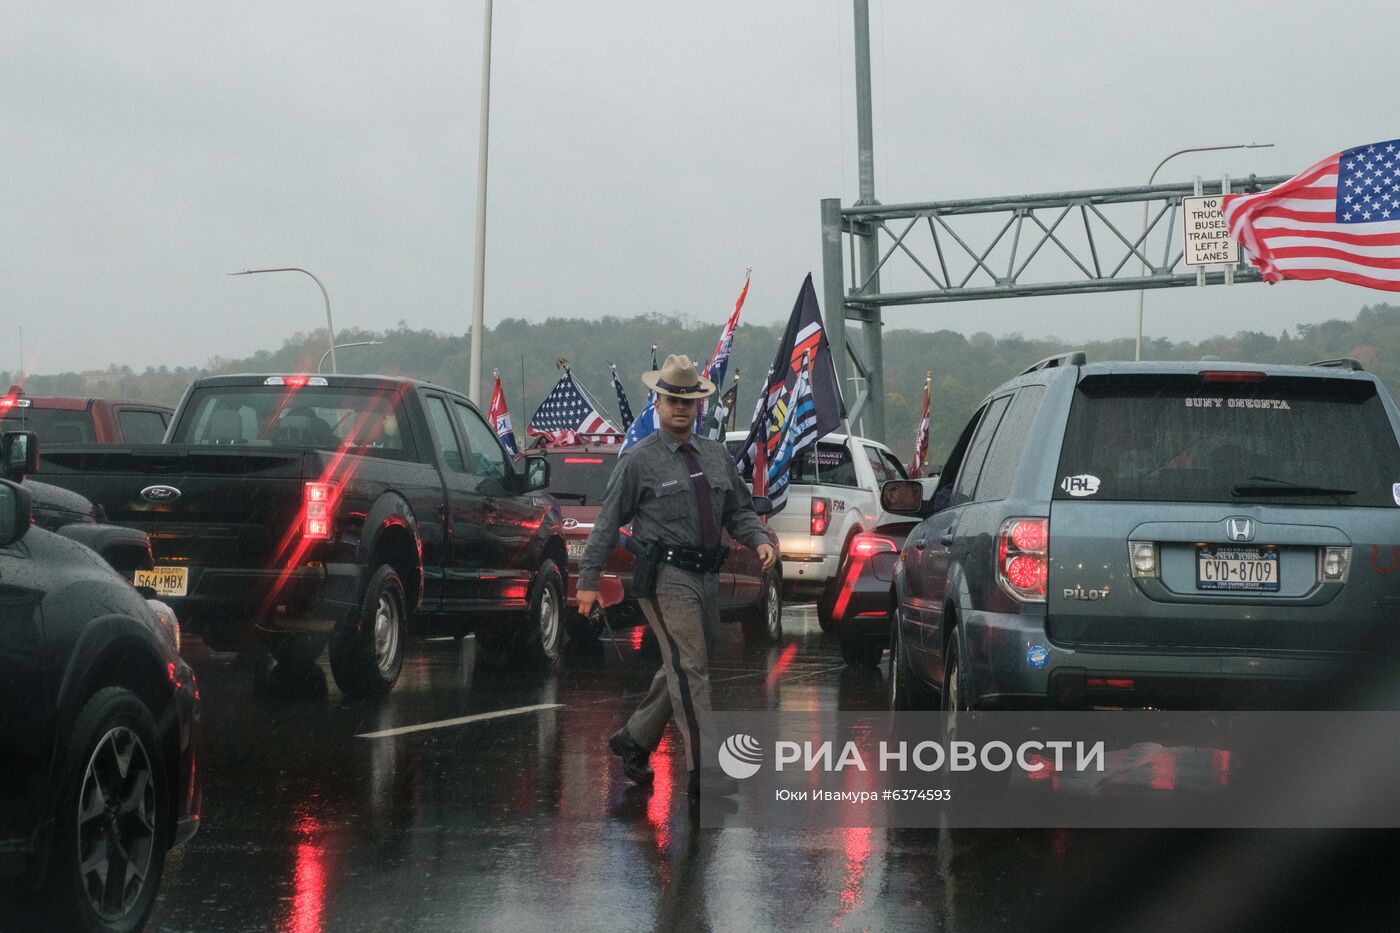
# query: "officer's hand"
(586, 599)
(766, 553)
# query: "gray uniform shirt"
(650, 487)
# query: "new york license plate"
(166, 581)
(1248, 569)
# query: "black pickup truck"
(296, 510)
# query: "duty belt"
(695, 559)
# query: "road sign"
(1207, 240)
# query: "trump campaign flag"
(1339, 219)
(500, 418)
(920, 461)
(802, 351)
(645, 424)
(567, 414)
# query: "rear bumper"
(1012, 663)
(305, 599)
(814, 569)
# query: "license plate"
(166, 581)
(1247, 569)
(576, 549)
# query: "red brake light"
(821, 513)
(870, 545)
(295, 382)
(1023, 561)
(7, 402)
(583, 459)
(1225, 375)
(316, 501)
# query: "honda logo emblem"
(1240, 529)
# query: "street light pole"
(479, 288)
(342, 346)
(1150, 178)
(330, 328)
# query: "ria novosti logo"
(740, 756)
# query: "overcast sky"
(642, 155)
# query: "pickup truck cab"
(67, 420)
(834, 495)
(294, 510)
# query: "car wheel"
(763, 625)
(862, 651)
(366, 657)
(544, 635)
(906, 691)
(112, 821)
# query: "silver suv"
(1131, 534)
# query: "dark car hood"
(55, 506)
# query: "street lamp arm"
(1151, 177)
(330, 328)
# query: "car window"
(1009, 443)
(1186, 440)
(892, 465)
(442, 431)
(370, 422)
(53, 425)
(580, 478)
(488, 457)
(977, 451)
(877, 465)
(943, 492)
(828, 463)
(141, 427)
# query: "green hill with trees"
(964, 368)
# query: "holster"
(647, 556)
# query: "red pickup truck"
(63, 420)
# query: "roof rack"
(1075, 358)
(1342, 362)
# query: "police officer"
(677, 489)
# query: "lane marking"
(460, 720)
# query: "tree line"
(527, 355)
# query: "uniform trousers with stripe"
(684, 615)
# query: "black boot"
(712, 781)
(634, 756)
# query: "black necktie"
(709, 531)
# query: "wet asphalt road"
(524, 822)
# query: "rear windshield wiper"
(1269, 486)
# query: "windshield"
(580, 478)
(1272, 441)
(371, 421)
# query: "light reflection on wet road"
(524, 822)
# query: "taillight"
(867, 546)
(821, 514)
(1023, 558)
(317, 502)
(1231, 375)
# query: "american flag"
(567, 413)
(1339, 219)
(920, 461)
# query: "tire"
(366, 657)
(862, 651)
(115, 798)
(545, 636)
(905, 690)
(763, 624)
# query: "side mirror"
(762, 505)
(16, 512)
(902, 496)
(19, 453)
(536, 473)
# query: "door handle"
(921, 542)
(946, 539)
